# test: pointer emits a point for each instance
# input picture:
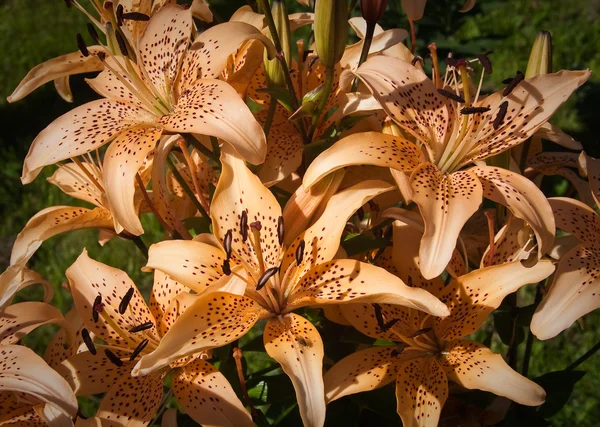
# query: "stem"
(413, 36)
(585, 357)
(192, 168)
(530, 337)
(365, 50)
(141, 245)
(162, 407)
(186, 188)
(524, 154)
(322, 101)
(200, 147)
(270, 114)
(257, 416)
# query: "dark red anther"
(244, 226)
(119, 15)
(125, 301)
(485, 63)
(141, 346)
(227, 243)
(501, 114)
(97, 308)
(113, 358)
(513, 83)
(474, 110)
(265, 277)
(89, 343)
(226, 267)
(300, 252)
(136, 16)
(82, 46)
(256, 225)
(142, 327)
(451, 95)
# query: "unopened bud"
(373, 10)
(331, 30)
(414, 9)
(540, 58)
(273, 68)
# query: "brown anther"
(397, 351)
(383, 326)
(122, 43)
(119, 15)
(462, 63)
(262, 281)
(474, 110)
(419, 332)
(451, 62)
(141, 346)
(300, 252)
(416, 59)
(136, 16)
(226, 267)
(373, 206)
(142, 327)
(108, 5)
(256, 225)
(227, 243)
(101, 56)
(451, 95)
(501, 114)
(280, 230)
(485, 63)
(82, 46)
(93, 33)
(87, 340)
(513, 83)
(97, 308)
(113, 358)
(360, 213)
(244, 226)
(125, 301)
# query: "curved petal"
(574, 292)
(296, 344)
(446, 203)
(214, 320)
(576, 218)
(207, 396)
(553, 133)
(18, 320)
(76, 183)
(21, 370)
(364, 370)
(164, 291)
(523, 198)
(474, 366)
(45, 224)
(108, 85)
(25, 278)
(346, 281)
(380, 41)
(61, 346)
(472, 297)
(421, 391)
(90, 280)
(366, 148)
(122, 161)
(55, 68)
(364, 319)
(212, 107)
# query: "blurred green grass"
(35, 30)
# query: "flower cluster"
(354, 212)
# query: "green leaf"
(363, 242)
(199, 224)
(558, 386)
(505, 326)
(282, 96)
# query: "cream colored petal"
(45, 224)
(18, 320)
(576, 218)
(164, 291)
(574, 292)
(108, 85)
(61, 346)
(474, 366)
(368, 148)
(553, 133)
(472, 297)
(446, 203)
(514, 242)
(212, 321)
(89, 280)
(207, 397)
(25, 278)
(247, 15)
(53, 416)
(212, 107)
(56, 68)
(364, 319)
(63, 88)
(421, 391)
(122, 161)
(76, 183)
(379, 42)
(78, 132)
(201, 10)
(296, 344)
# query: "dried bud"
(540, 58)
(373, 10)
(273, 68)
(414, 9)
(331, 30)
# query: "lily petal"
(576, 218)
(553, 133)
(593, 167)
(164, 291)
(574, 293)
(474, 366)
(18, 320)
(362, 317)
(207, 396)
(296, 344)
(62, 345)
(214, 320)
(380, 42)
(472, 297)
(421, 391)
(446, 203)
(76, 183)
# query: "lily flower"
(269, 279)
(113, 310)
(32, 393)
(454, 130)
(430, 351)
(170, 89)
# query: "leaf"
(503, 322)
(558, 385)
(282, 96)
(363, 243)
(199, 224)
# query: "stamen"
(108, 5)
(244, 226)
(501, 114)
(513, 83)
(300, 252)
(262, 281)
(451, 95)
(82, 46)
(474, 110)
(280, 230)
(485, 63)
(416, 59)
(113, 358)
(101, 56)
(507, 80)
(379, 316)
(226, 267)
(122, 43)
(142, 327)
(89, 343)
(138, 350)
(125, 301)
(227, 243)
(136, 16)
(256, 225)
(119, 15)
(97, 308)
(436, 66)
(419, 332)
(398, 350)
(93, 33)
(451, 62)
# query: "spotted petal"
(80, 131)
(296, 344)
(576, 218)
(214, 320)
(164, 291)
(446, 203)
(207, 396)
(367, 148)
(18, 320)
(474, 366)
(77, 183)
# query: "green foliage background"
(35, 30)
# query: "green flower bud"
(540, 59)
(273, 68)
(331, 30)
(373, 10)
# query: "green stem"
(530, 337)
(186, 188)
(329, 72)
(270, 115)
(585, 357)
(200, 147)
(141, 245)
(365, 50)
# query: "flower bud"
(414, 9)
(373, 10)
(540, 59)
(331, 30)
(273, 68)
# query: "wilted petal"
(212, 321)
(296, 344)
(18, 320)
(576, 218)
(207, 396)
(446, 203)
(474, 366)
(574, 292)
(77, 183)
